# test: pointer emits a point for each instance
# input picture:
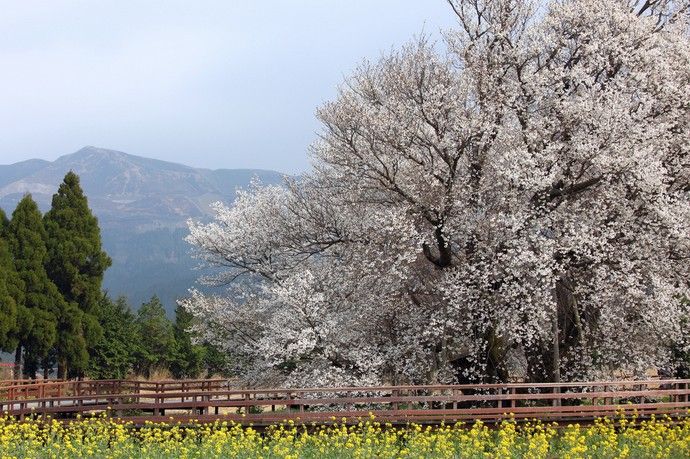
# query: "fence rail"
(215, 399)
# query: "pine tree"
(76, 263)
(36, 331)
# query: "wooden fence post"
(556, 401)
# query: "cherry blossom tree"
(514, 205)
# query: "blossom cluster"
(516, 204)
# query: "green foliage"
(11, 292)
(114, 354)
(148, 341)
(215, 360)
(71, 345)
(4, 222)
(76, 264)
(157, 338)
(76, 260)
(187, 360)
(36, 329)
(52, 308)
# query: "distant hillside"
(142, 205)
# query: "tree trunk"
(495, 358)
(62, 368)
(556, 355)
(556, 363)
(18, 362)
(46, 372)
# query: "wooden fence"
(214, 399)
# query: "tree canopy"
(53, 309)
(36, 332)
(188, 357)
(517, 203)
(76, 264)
(115, 354)
(11, 292)
(148, 342)
(156, 335)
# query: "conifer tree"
(76, 263)
(11, 297)
(157, 337)
(114, 355)
(36, 331)
(4, 222)
(187, 360)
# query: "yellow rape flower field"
(101, 437)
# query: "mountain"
(142, 206)
(12, 172)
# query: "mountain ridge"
(142, 205)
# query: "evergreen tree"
(36, 331)
(157, 337)
(76, 263)
(8, 305)
(188, 358)
(11, 291)
(215, 361)
(4, 222)
(114, 355)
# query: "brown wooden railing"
(214, 399)
(38, 389)
(22, 382)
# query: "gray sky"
(217, 84)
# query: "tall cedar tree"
(36, 319)
(76, 263)
(11, 295)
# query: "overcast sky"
(217, 84)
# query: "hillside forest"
(56, 319)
